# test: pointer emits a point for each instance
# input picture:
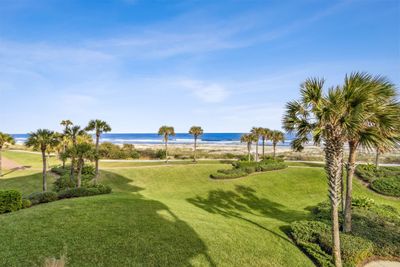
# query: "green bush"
(109, 150)
(362, 202)
(161, 154)
(229, 174)
(60, 170)
(85, 191)
(387, 186)
(26, 203)
(42, 197)
(64, 182)
(10, 200)
(315, 238)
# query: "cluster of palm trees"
(265, 134)
(167, 131)
(362, 112)
(74, 142)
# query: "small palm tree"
(99, 127)
(64, 140)
(166, 132)
(265, 135)
(257, 133)
(73, 133)
(276, 137)
(5, 139)
(248, 139)
(41, 140)
(82, 151)
(196, 131)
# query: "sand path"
(383, 264)
(10, 164)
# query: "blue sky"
(224, 65)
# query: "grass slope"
(169, 216)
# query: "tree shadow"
(119, 229)
(244, 200)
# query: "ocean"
(179, 138)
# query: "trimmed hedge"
(244, 168)
(42, 197)
(387, 186)
(85, 191)
(10, 200)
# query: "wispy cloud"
(207, 92)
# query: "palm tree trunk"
(263, 147)
(80, 166)
(377, 158)
(63, 156)
(333, 153)
(166, 151)
(1, 166)
(274, 144)
(44, 170)
(195, 147)
(351, 165)
(97, 158)
(257, 150)
(72, 169)
(342, 194)
(248, 151)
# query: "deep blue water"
(152, 138)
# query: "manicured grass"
(29, 160)
(172, 215)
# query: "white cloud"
(207, 92)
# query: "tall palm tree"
(276, 137)
(248, 139)
(323, 116)
(99, 127)
(196, 131)
(373, 115)
(257, 133)
(5, 139)
(81, 152)
(64, 139)
(265, 135)
(41, 140)
(166, 132)
(73, 133)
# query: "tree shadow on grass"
(244, 200)
(122, 229)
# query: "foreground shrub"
(229, 174)
(42, 197)
(387, 186)
(64, 182)
(10, 200)
(315, 238)
(362, 202)
(85, 191)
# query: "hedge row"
(244, 168)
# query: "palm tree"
(5, 139)
(99, 127)
(196, 131)
(64, 139)
(323, 116)
(81, 152)
(41, 140)
(276, 137)
(73, 133)
(248, 139)
(265, 135)
(257, 132)
(166, 131)
(373, 116)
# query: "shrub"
(161, 154)
(228, 174)
(387, 186)
(85, 191)
(42, 197)
(64, 182)
(10, 200)
(316, 239)
(109, 150)
(60, 170)
(362, 202)
(26, 203)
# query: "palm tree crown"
(248, 139)
(257, 133)
(98, 126)
(6, 139)
(196, 131)
(42, 139)
(166, 131)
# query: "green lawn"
(168, 216)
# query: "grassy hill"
(166, 216)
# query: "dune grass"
(169, 216)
